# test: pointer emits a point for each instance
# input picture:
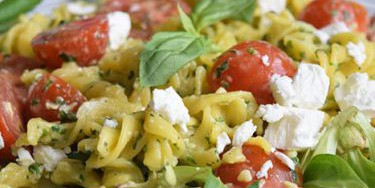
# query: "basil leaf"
(330, 171)
(186, 22)
(213, 182)
(207, 12)
(364, 168)
(167, 53)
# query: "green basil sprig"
(208, 12)
(168, 52)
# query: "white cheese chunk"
(286, 160)
(1, 142)
(276, 6)
(79, 8)
(48, 156)
(243, 133)
(358, 52)
(291, 128)
(111, 123)
(357, 91)
(222, 140)
(119, 28)
(327, 32)
(263, 172)
(265, 60)
(171, 107)
(24, 157)
(309, 88)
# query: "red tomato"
(321, 13)
(52, 99)
(256, 157)
(146, 14)
(242, 68)
(84, 41)
(13, 99)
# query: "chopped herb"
(67, 116)
(34, 102)
(224, 84)
(191, 160)
(252, 51)
(220, 69)
(294, 175)
(35, 169)
(81, 178)
(334, 13)
(255, 185)
(59, 101)
(67, 58)
(219, 119)
(347, 15)
(208, 140)
(302, 55)
(131, 75)
(47, 85)
(289, 44)
(44, 133)
(55, 128)
(79, 155)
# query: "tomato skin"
(13, 100)
(246, 71)
(321, 13)
(146, 15)
(256, 157)
(84, 40)
(49, 89)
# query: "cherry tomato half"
(52, 99)
(249, 66)
(321, 13)
(13, 100)
(256, 157)
(83, 41)
(146, 15)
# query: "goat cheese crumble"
(286, 160)
(243, 133)
(222, 140)
(276, 6)
(48, 156)
(291, 128)
(263, 172)
(171, 107)
(79, 8)
(308, 89)
(357, 91)
(358, 52)
(119, 28)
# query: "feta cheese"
(286, 160)
(222, 140)
(265, 60)
(119, 28)
(243, 133)
(308, 89)
(171, 107)
(294, 128)
(80, 8)
(282, 89)
(357, 91)
(24, 157)
(244, 176)
(1, 142)
(327, 32)
(111, 123)
(48, 156)
(276, 6)
(263, 172)
(46, 7)
(358, 52)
